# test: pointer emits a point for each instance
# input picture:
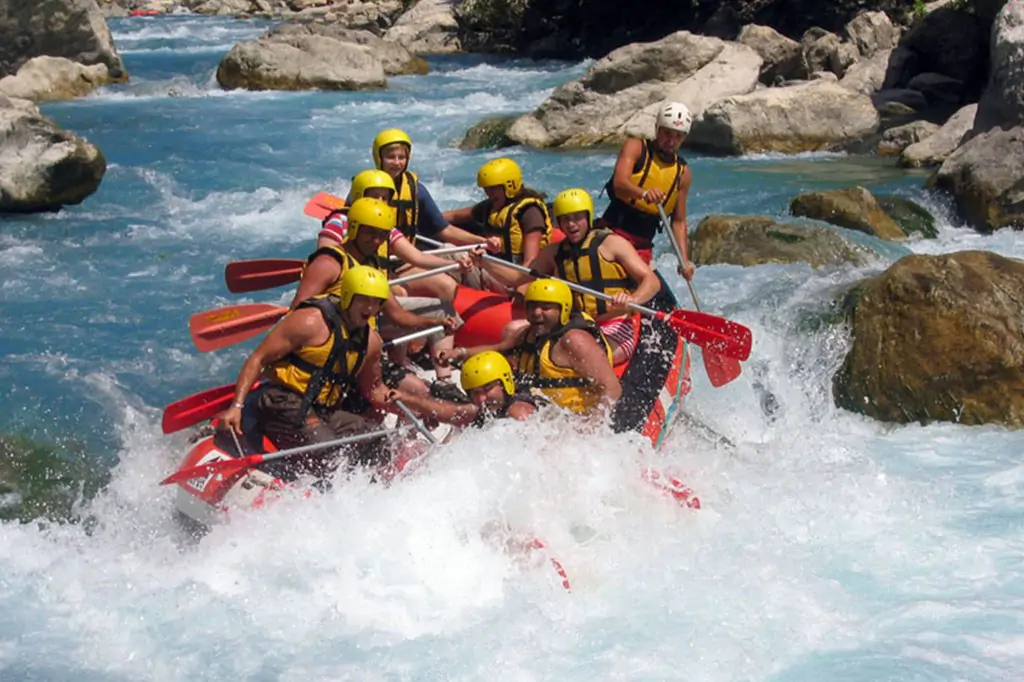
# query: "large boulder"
(394, 57)
(49, 79)
(41, 166)
(1003, 101)
(854, 208)
(428, 28)
(866, 76)
(985, 175)
(933, 150)
(782, 57)
(75, 29)
(759, 240)
(814, 116)
(300, 62)
(938, 338)
(872, 32)
(620, 93)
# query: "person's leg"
(279, 419)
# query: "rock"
(936, 88)
(41, 166)
(1003, 101)
(854, 208)
(814, 116)
(758, 240)
(910, 216)
(428, 28)
(619, 93)
(226, 7)
(938, 338)
(490, 133)
(781, 55)
(866, 76)
(74, 29)
(396, 60)
(298, 62)
(912, 99)
(49, 79)
(985, 175)
(490, 25)
(895, 140)
(872, 32)
(933, 150)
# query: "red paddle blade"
(711, 332)
(224, 327)
(226, 468)
(323, 205)
(197, 408)
(721, 370)
(242, 276)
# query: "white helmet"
(675, 116)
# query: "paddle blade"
(323, 205)
(224, 327)
(197, 408)
(721, 370)
(711, 332)
(226, 468)
(242, 276)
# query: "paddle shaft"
(420, 426)
(281, 454)
(572, 285)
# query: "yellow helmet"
(372, 213)
(485, 367)
(551, 291)
(362, 280)
(370, 179)
(386, 137)
(504, 172)
(574, 201)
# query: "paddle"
(322, 205)
(708, 331)
(721, 369)
(229, 467)
(242, 276)
(197, 408)
(223, 327)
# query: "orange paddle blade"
(243, 276)
(323, 205)
(224, 327)
(197, 408)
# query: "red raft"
(655, 381)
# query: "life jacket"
(535, 369)
(639, 217)
(406, 202)
(325, 374)
(346, 260)
(584, 265)
(504, 223)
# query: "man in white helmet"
(649, 173)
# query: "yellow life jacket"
(504, 223)
(324, 374)
(584, 265)
(561, 385)
(346, 260)
(406, 202)
(639, 217)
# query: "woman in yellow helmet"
(514, 213)
(313, 362)
(648, 173)
(597, 259)
(562, 352)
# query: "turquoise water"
(829, 546)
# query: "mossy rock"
(910, 216)
(490, 133)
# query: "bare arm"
(630, 153)
(679, 227)
(543, 263)
(405, 250)
(458, 414)
(459, 215)
(585, 356)
(317, 278)
(622, 252)
(298, 328)
(404, 318)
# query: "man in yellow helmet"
(319, 357)
(648, 173)
(597, 259)
(487, 380)
(561, 352)
(512, 212)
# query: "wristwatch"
(239, 405)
